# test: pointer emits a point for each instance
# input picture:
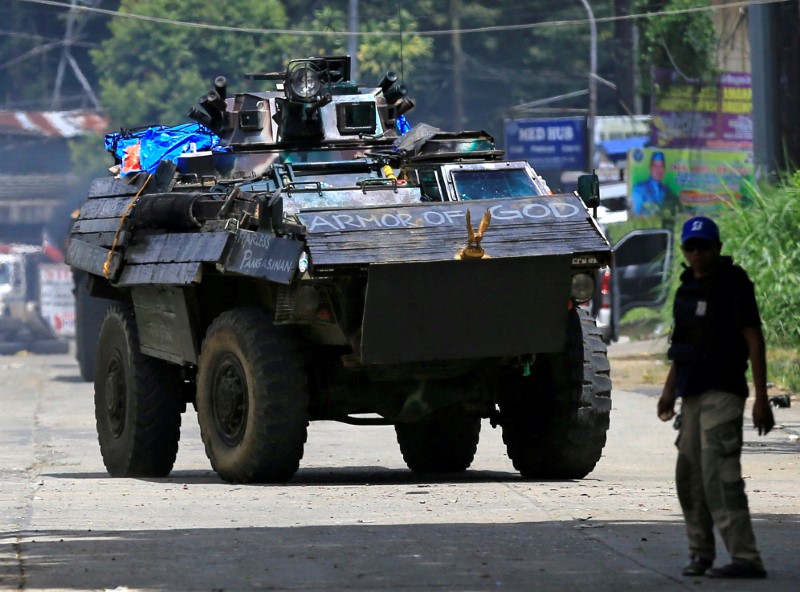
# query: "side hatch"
(642, 262)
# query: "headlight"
(582, 287)
(304, 82)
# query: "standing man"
(717, 328)
(650, 195)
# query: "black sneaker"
(738, 569)
(697, 565)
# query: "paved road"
(354, 517)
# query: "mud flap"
(465, 309)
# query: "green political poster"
(690, 179)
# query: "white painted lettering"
(345, 220)
(535, 210)
(506, 211)
(405, 220)
(279, 265)
(367, 221)
(563, 210)
(250, 262)
(500, 214)
(321, 222)
(253, 239)
(453, 216)
(434, 218)
(391, 221)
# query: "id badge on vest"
(702, 308)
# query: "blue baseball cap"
(658, 156)
(700, 227)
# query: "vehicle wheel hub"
(230, 400)
(116, 396)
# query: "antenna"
(400, 14)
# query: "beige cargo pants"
(708, 476)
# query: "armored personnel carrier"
(323, 262)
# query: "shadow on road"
(771, 447)
(69, 379)
(359, 475)
(550, 555)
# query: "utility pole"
(67, 59)
(458, 65)
(63, 62)
(590, 120)
(625, 65)
(637, 76)
(352, 38)
(764, 82)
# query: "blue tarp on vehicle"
(142, 150)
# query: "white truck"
(36, 313)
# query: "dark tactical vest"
(707, 345)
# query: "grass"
(784, 368)
(763, 236)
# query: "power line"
(40, 38)
(490, 29)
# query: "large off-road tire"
(137, 402)
(555, 421)
(444, 442)
(89, 315)
(252, 398)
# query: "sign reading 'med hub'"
(553, 144)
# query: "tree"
(154, 72)
(377, 53)
(504, 68)
(683, 42)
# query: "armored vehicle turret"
(316, 259)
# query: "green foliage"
(793, 179)
(507, 68)
(784, 367)
(153, 73)
(88, 157)
(618, 230)
(684, 42)
(763, 237)
(376, 53)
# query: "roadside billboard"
(56, 301)
(693, 180)
(557, 144)
(693, 115)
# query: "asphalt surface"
(354, 517)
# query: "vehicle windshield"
(493, 184)
(5, 274)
